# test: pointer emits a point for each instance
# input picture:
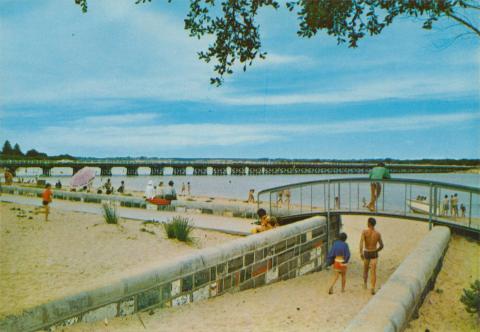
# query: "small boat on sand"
(419, 205)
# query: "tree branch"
(465, 23)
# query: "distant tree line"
(16, 153)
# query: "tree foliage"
(7, 148)
(471, 299)
(237, 35)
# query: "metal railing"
(435, 202)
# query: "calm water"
(238, 186)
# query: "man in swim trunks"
(377, 174)
(373, 244)
(339, 256)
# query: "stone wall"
(400, 297)
(283, 253)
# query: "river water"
(238, 186)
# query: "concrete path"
(230, 225)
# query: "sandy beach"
(442, 309)
(41, 261)
(300, 304)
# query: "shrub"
(180, 228)
(110, 214)
(471, 299)
(168, 228)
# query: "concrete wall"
(398, 300)
(225, 209)
(279, 254)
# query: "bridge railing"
(417, 199)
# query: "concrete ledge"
(286, 252)
(232, 210)
(398, 300)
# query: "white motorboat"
(419, 205)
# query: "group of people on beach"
(451, 204)
(160, 191)
(339, 255)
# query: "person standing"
(339, 256)
(189, 189)
(373, 244)
(454, 205)
(183, 189)
(377, 174)
(251, 198)
(445, 205)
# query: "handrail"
(407, 181)
(434, 202)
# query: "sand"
(300, 304)
(442, 309)
(75, 251)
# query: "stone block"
(285, 256)
(148, 298)
(259, 268)
(283, 269)
(176, 287)
(291, 242)
(247, 285)
(227, 282)
(309, 235)
(213, 289)
(249, 258)
(201, 294)
(108, 311)
(187, 283)
(259, 281)
(305, 258)
(259, 255)
(271, 275)
(67, 322)
(151, 207)
(235, 264)
(181, 300)
(317, 232)
(221, 269)
(306, 268)
(213, 273)
(126, 307)
(202, 277)
(281, 246)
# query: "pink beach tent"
(83, 177)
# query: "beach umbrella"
(83, 177)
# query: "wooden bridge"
(204, 167)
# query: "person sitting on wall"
(170, 192)
(121, 189)
(266, 222)
(108, 187)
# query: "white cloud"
(117, 137)
(393, 88)
(118, 120)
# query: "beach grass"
(179, 228)
(110, 214)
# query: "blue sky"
(124, 80)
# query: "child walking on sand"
(339, 256)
